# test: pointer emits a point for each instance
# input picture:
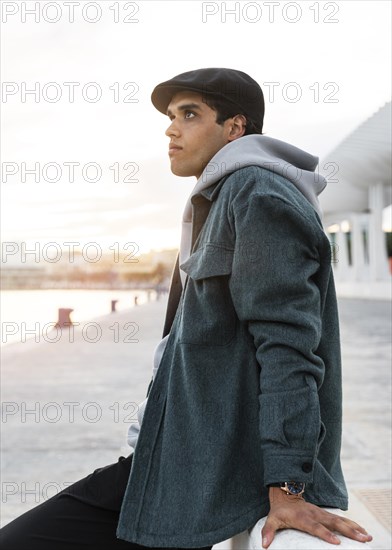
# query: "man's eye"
(189, 114)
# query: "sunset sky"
(161, 40)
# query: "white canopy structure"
(359, 188)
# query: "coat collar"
(201, 203)
(211, 192)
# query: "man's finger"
(348, 528)
(353, 524)
(319, 530)
(268, 532)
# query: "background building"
(359, 189)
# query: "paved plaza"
(67, 406)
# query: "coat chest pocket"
(208, 317)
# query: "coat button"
(306, 467)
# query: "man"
(243, 413)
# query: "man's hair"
(225, 109)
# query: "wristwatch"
(296, 488)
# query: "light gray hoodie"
(254, 150)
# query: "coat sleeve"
(274, 290)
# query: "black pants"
(81, 517)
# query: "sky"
(329, 63)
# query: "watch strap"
(284, 485)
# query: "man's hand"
(293, 512)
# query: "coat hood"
(280, 157)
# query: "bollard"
(64, 319)
(114, 302)
(135, 300)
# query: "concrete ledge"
(376, 290)
(291, 539)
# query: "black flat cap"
(234, 86)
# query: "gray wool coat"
(248, 391)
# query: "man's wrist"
(278, 497)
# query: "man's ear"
(238, 127)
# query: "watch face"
(295, 488)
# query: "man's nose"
(172, 130)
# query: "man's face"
(194, 135)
